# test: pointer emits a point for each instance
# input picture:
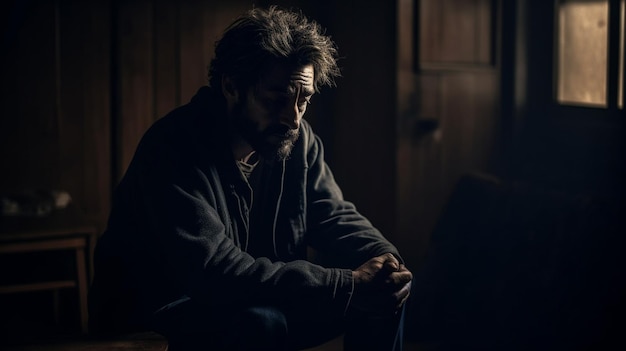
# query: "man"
(210, 229)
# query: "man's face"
(268, 115)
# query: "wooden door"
(448, 102)
(570, 145)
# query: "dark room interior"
(496, 129)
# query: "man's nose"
(291, 115)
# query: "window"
(590, 69)
(622, 40)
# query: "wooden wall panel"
(29, 117)
(456, 31)
(134, 77)
(193, 59)
(166, 60)
(84, 105)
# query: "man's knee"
(268, 319)
(260, 328)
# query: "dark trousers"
(189, 327)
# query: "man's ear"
(229, 90)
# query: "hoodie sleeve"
(343, 236)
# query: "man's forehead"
(283, 78)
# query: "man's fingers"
(401, 303)
(391, 263)
(404, 292)
(402, 295)
(399, 278)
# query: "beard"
(274, 142)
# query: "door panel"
(448, 108)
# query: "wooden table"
(59, 231)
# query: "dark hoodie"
(179, 226)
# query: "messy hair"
(263, 36)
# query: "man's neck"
(250, 158)
(241, 149)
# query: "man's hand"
(381, 286)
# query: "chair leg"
(81, 272)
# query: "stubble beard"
(284, 148)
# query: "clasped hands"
(381, 286)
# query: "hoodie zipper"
(245, 218)
(280, 195)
